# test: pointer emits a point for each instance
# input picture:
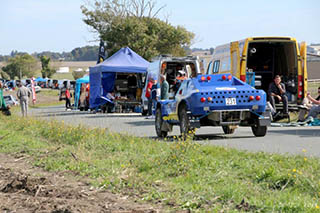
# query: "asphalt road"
(290, 140)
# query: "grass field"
(180, 174)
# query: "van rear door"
(235, 59)
(303, 75)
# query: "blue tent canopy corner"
(102, 76)
(79, 81)
(39, 79)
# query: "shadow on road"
(61, 114)
(110, 115)
(202, 137)
(299, 132)
(141, 123)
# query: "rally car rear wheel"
(228, 129)
(259, 131)
(185, 127)
(158, 124)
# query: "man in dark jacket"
(277, 90)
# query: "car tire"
(228, 130)
(185, 127)
(158, 124)
(259, 131)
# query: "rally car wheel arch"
(158, 124)
(259, 131)
(228, 129)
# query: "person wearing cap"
(23, 95)
(181, 75)
(179, 79)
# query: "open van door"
(303, 76)
(235, 59)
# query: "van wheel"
(228, 129)
(185, 128)
(158, 124)
(259, 131)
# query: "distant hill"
(86, 53)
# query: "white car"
(10, 100)
(36, 88)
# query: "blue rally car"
(213, 100)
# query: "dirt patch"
(24, 188)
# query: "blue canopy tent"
(39, 79)
(86, 80)
(103, 75)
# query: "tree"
(211, 50)
(78, 74)
(134, 23)
(4, 75)
(20, 66)
(46, 71)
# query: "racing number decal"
(231, 101)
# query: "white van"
(169, 66)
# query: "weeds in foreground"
(181, 174)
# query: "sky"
(56, 25)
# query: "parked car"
(36, 88)
(10, 100)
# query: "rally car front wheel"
(158, 124)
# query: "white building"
(63, 70)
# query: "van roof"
(171, 58)
(282, 38)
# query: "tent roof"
(125, 60)
(84, 79)
(40, 79)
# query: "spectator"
(68, 98)
(148, 95)
(155, 95)
(315, 110)
(164, 88)
(277, 90)
(306, 106)
(110, 106)
(23, 95)
(3, 106)
(179, 79)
